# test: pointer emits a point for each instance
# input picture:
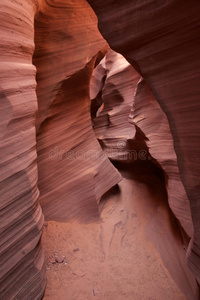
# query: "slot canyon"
(100, 150)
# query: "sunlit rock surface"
(119, 138)
(73, 171)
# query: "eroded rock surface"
(151, 119)
(131, 126)
(21, 270)
(129, 107)
(119, 138)
(161, 41)
(73, 171)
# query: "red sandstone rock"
(161, 40)
(73, 171)
(67, 46)
(117, 133)
(151, 119)
(21, 270)
(117, 136)
(112, 125)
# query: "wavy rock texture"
(73, 171)
(116, 82)
(150, 118)
(161, 40)
(130, 108)
(119, 138)
(21, 271)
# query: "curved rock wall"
(21, 271)
(134, 133)
(161, 40)
(118, 137)
(150, 118)
(124, 93)
(68, 45)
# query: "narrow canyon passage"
(100, 136)
(116, 258)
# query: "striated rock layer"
(73, 171)
(21, 270)
(120, 139)
(130, 111)
(144, 135)
(161, 40)
(149, 117)
(63, 125)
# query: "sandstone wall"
(161, 40)
(21, 271)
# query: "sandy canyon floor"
(131, 253)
